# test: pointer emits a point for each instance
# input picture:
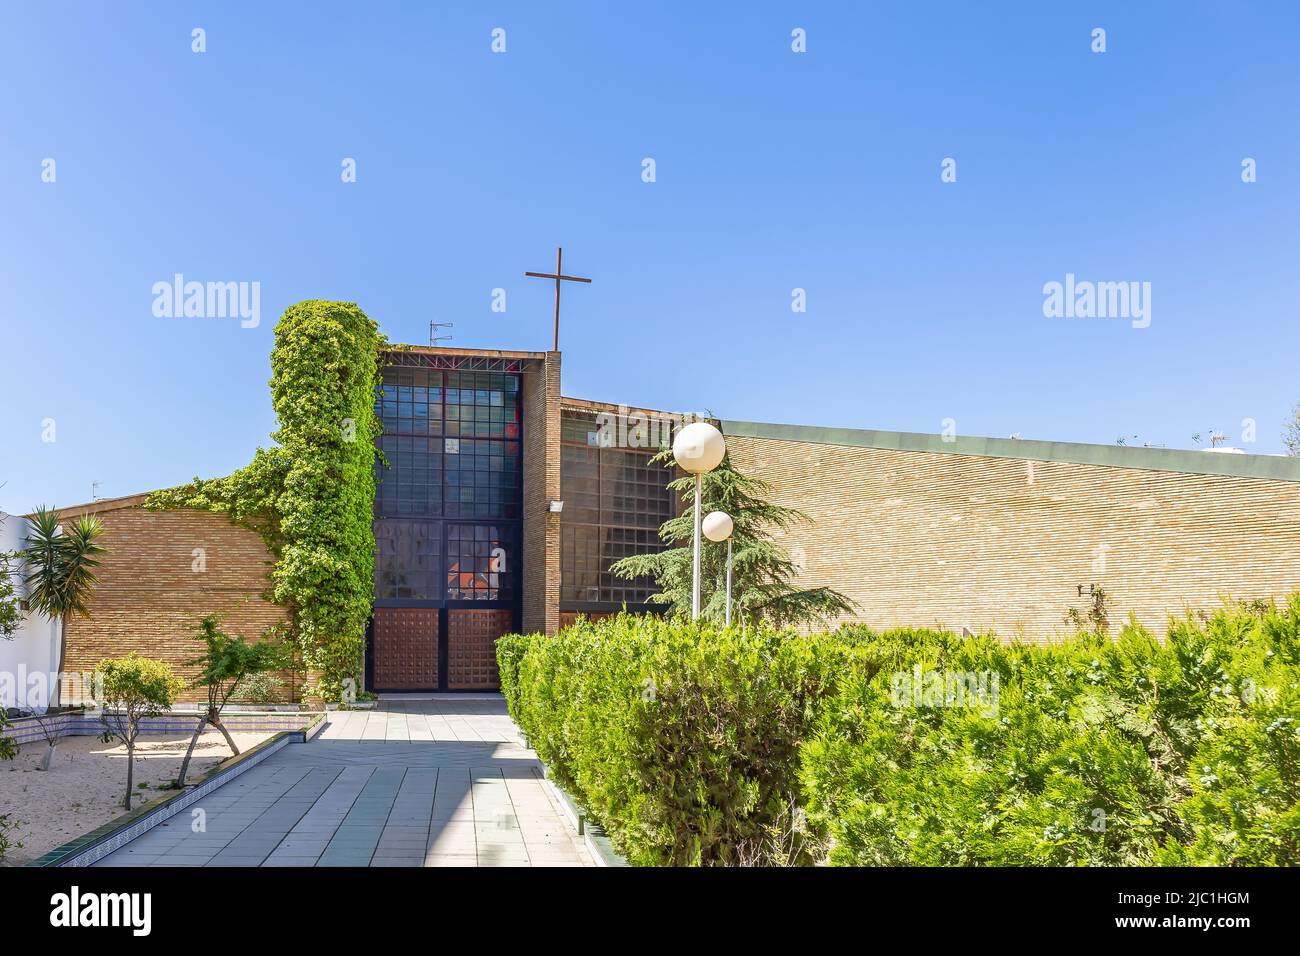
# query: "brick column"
(541, 464)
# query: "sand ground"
(83, 789)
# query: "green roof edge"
(1276, 467)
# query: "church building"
(505, 503)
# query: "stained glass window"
(480, 562)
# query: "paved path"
(443, 782)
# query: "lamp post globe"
(717, 526)
(698, 448)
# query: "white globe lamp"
(718, 527)
(698, 448)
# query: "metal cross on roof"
(559, 277)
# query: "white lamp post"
(718, 527)
(698, 448)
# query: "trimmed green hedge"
(683, 743)
(1099, 752)
(707, 746)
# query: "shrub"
(510, 656)
(8, 751)
(1245, 770)
(260, 689)
(682, 741)
(707, 746)
(1097, 753)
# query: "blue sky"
(774, 171)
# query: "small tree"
(11, 612)
(1291, 432)
(1095, 616)
(51, 731)
(762, 572)
(8, 751)
(61, 571)
(133, 688)
(226, 663)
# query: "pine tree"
(762, 572)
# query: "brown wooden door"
(472, 647)
(405, 648)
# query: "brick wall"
(924, 538)
(541, 546)
(149, 599)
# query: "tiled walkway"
(444, 782)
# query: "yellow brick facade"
(150, 597)
(926, 538)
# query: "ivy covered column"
(324, 369)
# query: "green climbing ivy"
(311, 497)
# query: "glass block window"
(482, 405)
(451, 440)
(481, 562)
(579, 561)
(580, 429)
(580, 484)
(413, 482)
(619, 543)
(632, 490)
(587, 551)
(614, 503)
(482, 478)
(406, 561)
(410, 402)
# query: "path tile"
(433, 782)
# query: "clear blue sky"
(774, 171)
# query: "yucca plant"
(60, 570)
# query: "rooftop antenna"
(94, 490)
(434, 338)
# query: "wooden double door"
(430, 648)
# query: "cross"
(559, 277)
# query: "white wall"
(32, 648)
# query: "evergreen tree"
(763, 574)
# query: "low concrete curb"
(97, 844)
(81, 722)
(593, 834)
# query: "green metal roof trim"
(1277, 467)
